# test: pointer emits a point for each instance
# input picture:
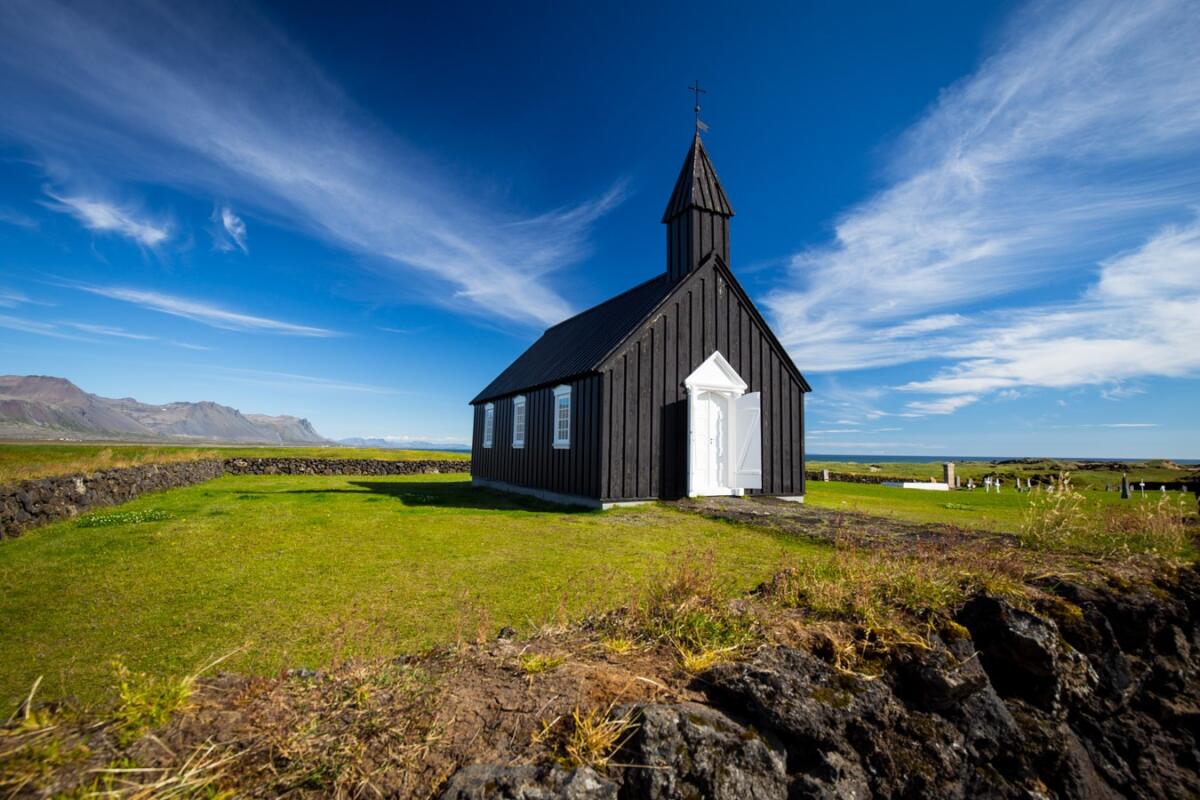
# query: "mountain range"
(41, 407)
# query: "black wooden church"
(677, 387)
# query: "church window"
(518, 439)
(562, 417)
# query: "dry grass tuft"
(688, 609)
(198, 776)
(537, 663)
(618, 645)
(1057, 520)
(696, 661)
(147, 701)
(587, 738)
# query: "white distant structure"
(929, 486)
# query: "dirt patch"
(840, 527)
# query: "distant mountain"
(403, 444)
(35, 406)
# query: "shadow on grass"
(446, 495)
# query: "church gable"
(644, 430)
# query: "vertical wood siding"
(691, 237)
(642, 444)
(538, 464)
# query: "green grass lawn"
(977, 509)
(22, 461)
(303, 570)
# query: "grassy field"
(22, 461)
(300, 571)
(1091, 475)
(968, 509)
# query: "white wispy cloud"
(36, 327)
(943, 405)
(298, 381)
(230, 231)
(1127, 425)
(102, 216)
(12, 217)
(189, 345)
(217, 98)
(1070, 154)
(204, 312)
(1140, 318)
(10, 298)
(107, 330)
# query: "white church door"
(724, 431)
(711, 437)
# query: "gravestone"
(1124, 487)
(948, 474)
(825, 475)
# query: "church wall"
(643, 437)
(573, 471)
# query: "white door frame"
(717, 376)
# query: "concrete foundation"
(556, 497)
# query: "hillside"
(41, 407)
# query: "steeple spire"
(697, 215)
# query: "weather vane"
(696, 90)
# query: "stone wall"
(849, 477)
(340, 466)
(38, 502)
(45, 500)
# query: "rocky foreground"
(1076, 689)
(1095, 695)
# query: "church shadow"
(440, 494)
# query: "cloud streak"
(1140, 318)
(1069, 156)
(100, 216)
(216, 98)
(231, 232)
(293, 380)
(37, 328)
(108, 330)
(203, 312)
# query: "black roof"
(578, 345)
(697, 186)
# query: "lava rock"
(686, 751)
(528, 782)
(1025, 656)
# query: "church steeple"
(697, 215)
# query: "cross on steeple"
(696, 90)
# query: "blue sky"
(976, 226)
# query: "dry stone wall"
(45, 500)
(38, 502)
(340, 466)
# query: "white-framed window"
(518, 440)
(489, 423)
(562, 417)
